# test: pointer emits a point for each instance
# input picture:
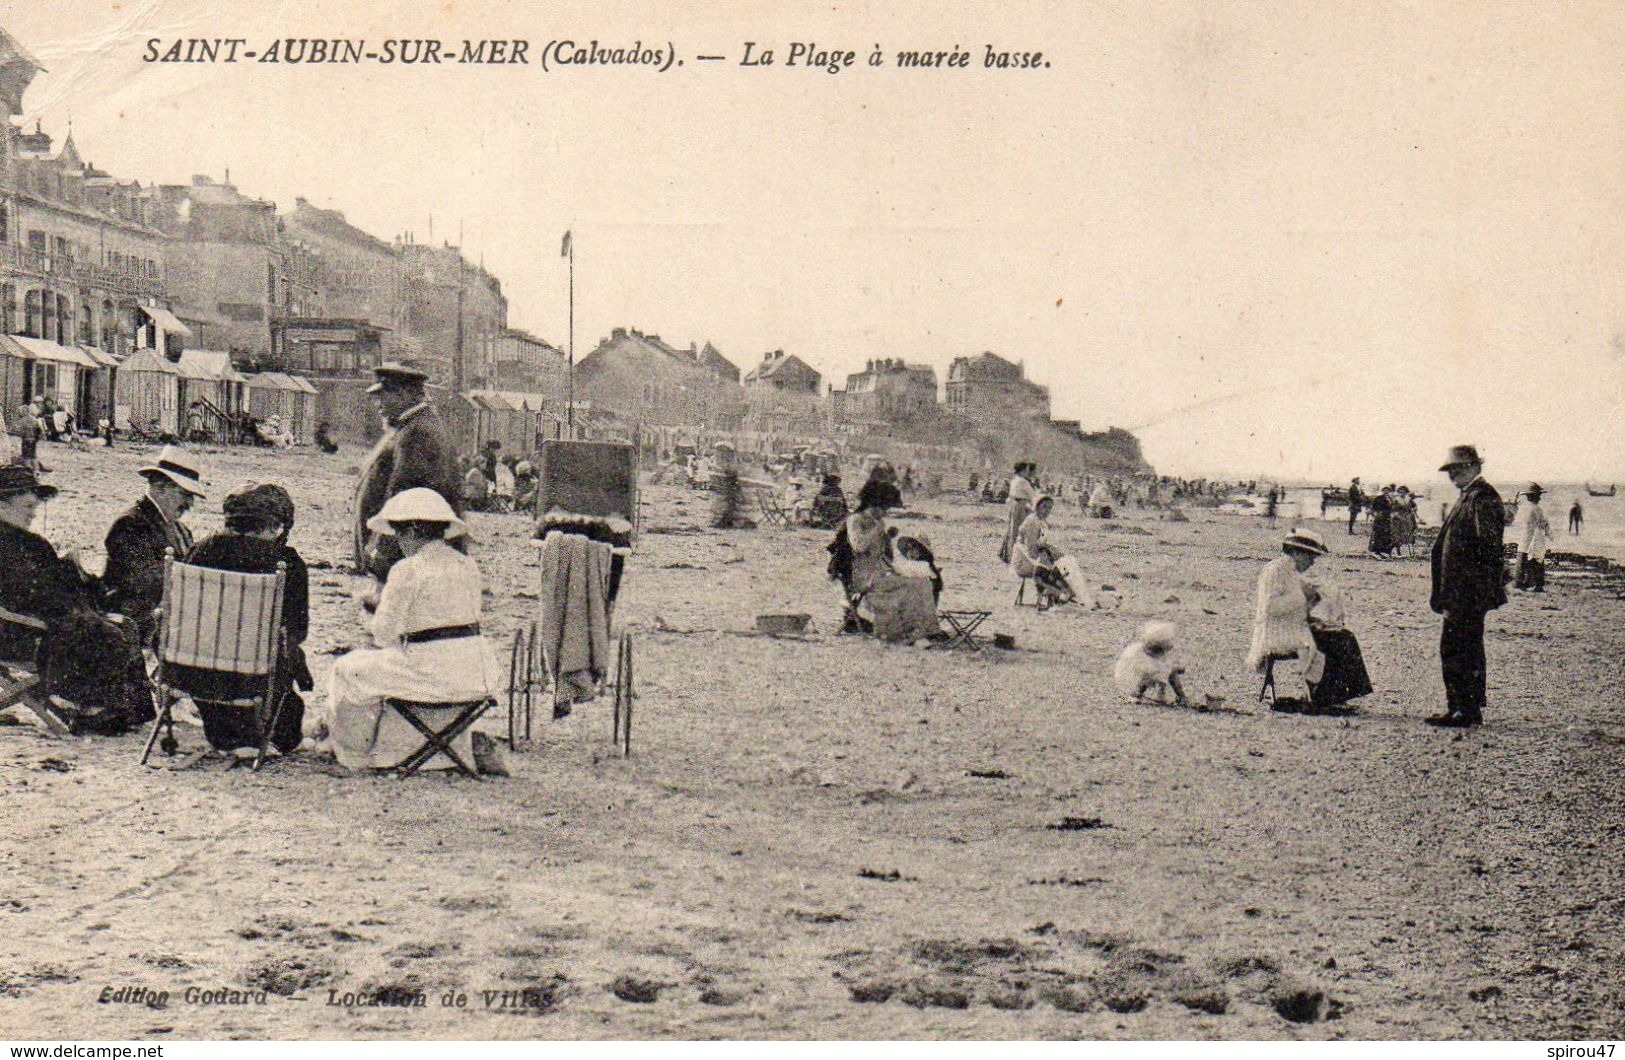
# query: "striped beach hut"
(290, 398)
(146, 394)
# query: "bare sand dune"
(832, 837)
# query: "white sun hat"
(420, 505)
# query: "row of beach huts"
(148, 393)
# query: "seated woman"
(91, 664)
(899, 607)
(258, 521)
(829, 506)
(919, 561)
(1033, 557)
(1344, 675)
(1281, 630)
(430, 650)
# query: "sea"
(1602, 535)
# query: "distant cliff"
(1058, 447)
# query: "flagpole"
(571, 386)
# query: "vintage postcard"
(799, 521)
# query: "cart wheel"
(515, 690)
(626, 692)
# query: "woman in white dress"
(430, 650)
(1281, 621)
(1018, 505)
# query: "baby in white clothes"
(1148, 669)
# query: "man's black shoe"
(1452, 721)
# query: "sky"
(1305, 240)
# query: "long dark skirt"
(1382, 533)
(1345, 677)
(228, 728)
(96, 665)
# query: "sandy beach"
(837, 838)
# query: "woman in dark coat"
(258, 521)
(829, 509)
(89, 660)
(1382, 522)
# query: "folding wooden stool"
(438, 741)
(962, 627)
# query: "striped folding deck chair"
(224, 622)
(20, 678)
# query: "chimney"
(617, 333)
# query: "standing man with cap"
(414, 452)
(134, 578)
(1468, 583)
(1356, 502)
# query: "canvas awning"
(102, 358)
(165, 320)
(280, 381)
(148, 361)
(45, 350)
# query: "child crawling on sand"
(1148, 670)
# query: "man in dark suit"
(1469, 581)
(415, 451)
(1356, 502)
(138, 539)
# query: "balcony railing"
(20, 259)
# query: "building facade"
(989, 387)
(888, 390)
(232, 261)
(357, 275)
(648, 381)
(455, 314)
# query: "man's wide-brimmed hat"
(1306, 541)
(1534, 489)
(420, 505)
(177, 465)
(1461, 456)
(393, 375)
(20, 478)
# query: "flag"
(564, 250)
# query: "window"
(36, 241)
(48, 301)
(64, 320)
(270, 283)
(63, 250)
(31, 314)
(5, 223)
(109, 327)
(87, 326)
(8, 309)
(45, 379)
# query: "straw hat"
(177, 465)
(420, 505)
(1306, 541)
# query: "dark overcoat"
(134, 578)
(1469, 565)
(415, 453)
